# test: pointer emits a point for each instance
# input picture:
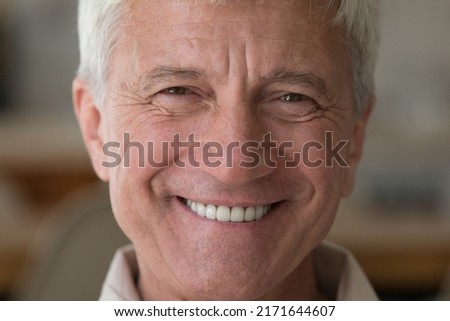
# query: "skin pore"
(231, 72)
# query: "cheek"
(317, 144)
(326, 177)
(320, 211)
(129, 196)
(146, 154)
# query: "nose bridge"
(236, 124)
(238, 119)
(238, 129)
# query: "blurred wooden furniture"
(402, 254)
(46, 162)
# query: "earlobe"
(356, 148)
(89, 119)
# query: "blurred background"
(397, 222)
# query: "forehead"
(229, 15)
(269, 35)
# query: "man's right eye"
(177, 91)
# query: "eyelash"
(298, 97)
(288, 98)
(294, 97)
(175, 90)
(298, 104)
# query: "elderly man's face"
(228, 73)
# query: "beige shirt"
(339, 275)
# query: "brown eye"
(177, 91)
(292, 97)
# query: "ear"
(356, 148)
(89, 119)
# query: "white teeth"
(201, 209)
(223, 213)
(237, 214)
(250, 214)
(259, 212)
(211, 212)
(228, 214)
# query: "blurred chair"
(444, 293)
(78, 248)
(16, 233)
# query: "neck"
(300, 285)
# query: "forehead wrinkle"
(165, 73)
(309, 79)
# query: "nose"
(232, 150)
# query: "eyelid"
(278, 95)
(185, 88)
(201, 90)
(301, 97)
(305, 106)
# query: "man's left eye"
(177, 91)
(292, 97)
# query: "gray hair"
(99, 24)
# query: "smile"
(224, 213)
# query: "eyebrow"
(298, 78)
(167, 73)
(164, 73)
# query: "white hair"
(360, 20)
(100, 21)
(98, 30)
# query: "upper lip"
(235, 202)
